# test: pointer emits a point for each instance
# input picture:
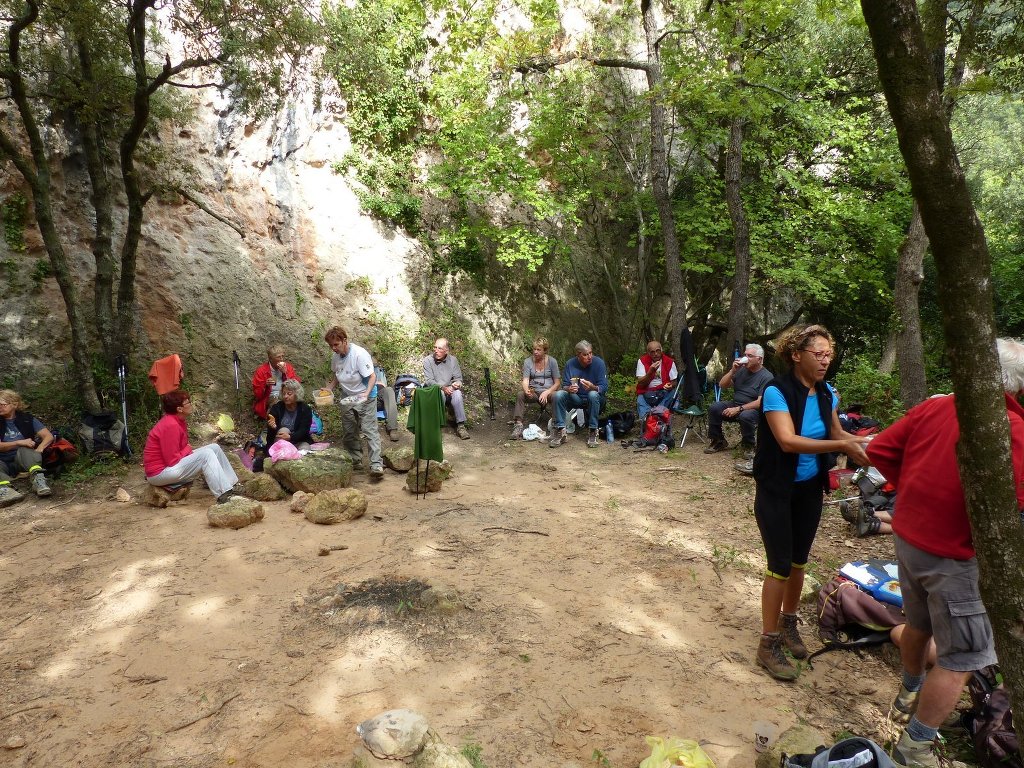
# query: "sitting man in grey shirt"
(748, 377)
(442, 368)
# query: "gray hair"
(293, 385)
(1011, 363)
(584, 346)
(758, 349)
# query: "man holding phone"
(748, 377)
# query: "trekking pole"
(490, 394)
(122, 375)
(238, 395)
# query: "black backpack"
(990, 721)
(622, 423)
(103, 433)
(856, 750)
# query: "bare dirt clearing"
(599, 599)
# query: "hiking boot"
(771, 656)
(791, 635)
(867, 524)
(517, 431)
(748, 449)
(717, 445)
(558, 438)
(228, 494)
(745, 467)
(592, 439)
(462, 432)
(392, 434)
(903, 706)
(376, 473)
(39, 484)
(8, 495)
(849, 515)
(914, 754)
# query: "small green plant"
(613, 503)
(723, 557)
(474, 753)
(360, 285)
(524, 657)
(404, 606)
(599, 758)
(300, 301)
(40, 272)
(13, 211)
(185, 319)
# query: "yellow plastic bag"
(670, 752)
(225, 423)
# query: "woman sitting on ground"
(290, 418)
(168, 459)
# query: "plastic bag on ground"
(671, 752)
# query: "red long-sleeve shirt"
(917, 455)
(262, 383)
(166, 445)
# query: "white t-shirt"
(353, 370)
(656, 381)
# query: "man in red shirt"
(267, 381)
(938, 567)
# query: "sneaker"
(791, 635)
(376, 473)
(904, 706)
(8, 495)
(849, 515)
(517, 431)
(392, 434)
(748, 449)
(39, 484)
(717, 445)
(867, 524)
(558, 438)
(745, 467)
(462, 432)
(914, 754)
(771, 656)
(592, 439)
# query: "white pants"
(208, 461)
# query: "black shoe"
(228, 494)
(716, 446)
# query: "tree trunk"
(909, 347)
(965, 297)
(659, 176)
(738, 216)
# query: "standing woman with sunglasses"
(797, 438)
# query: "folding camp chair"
(696, 418)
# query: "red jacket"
(166, 445)
(666, 372)
(263, 382)
(917, 455)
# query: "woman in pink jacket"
(168, 459)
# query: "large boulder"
(400, 458)
(263, 487)
(426, 479)
(315, 472)
(798, 740)
(402, 737)
(236, 512)
(336, 506)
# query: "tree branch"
(201, 205)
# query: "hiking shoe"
(392, 434)
(849, 515)
(914, 754)
(903, 706)
(867, 524)
(771, 656)
(558, 438)
(748, 449)
(746, 467)
(228, 494)
(517, 431)
(716, 446)
(376, 473)
(791, 635)
(9, 496)
(462, 432)
(39, 484)
(592, 439)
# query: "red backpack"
(657, 428)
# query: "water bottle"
(609, 434)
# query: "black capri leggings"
(788, 524)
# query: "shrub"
(860, 381)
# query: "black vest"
(774, 469)
(23, 421)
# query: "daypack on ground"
(622, 423)
(855, 752)
(405, 385)
(657, 428)
(58, 454)
(848, 617)
(103, 433)
(990, 722)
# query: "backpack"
(622, 423)
(103, 433)
(57, 454)
(990, 721)
(855, 752)
(848, 617)
(657, 428)
(405, 385)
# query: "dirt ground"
(607, 595)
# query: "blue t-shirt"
(813, 427)
(12, 433)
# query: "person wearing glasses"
(442, 369)
(748, 377)
(656, 377)
(541, 379)
(168, 459)
(799, 435)
(23, 438)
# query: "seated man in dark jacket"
(23, 438)
(290, 418)
(748, 377)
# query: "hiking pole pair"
(238, 395)
(122, 376)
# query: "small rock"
(236, 512)
(395, 734)
(442, 599)
(159, 497)
(263, 487)
(336, 506)
(25, 664)
(428, 479)
(15, 742)
(401, 458)
(437, 753)
(299, 501)
(123, 496)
